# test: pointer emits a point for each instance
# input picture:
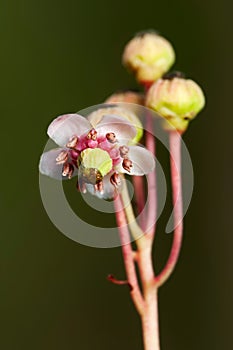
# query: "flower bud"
(126, 97)
(149, 56)
(96, 116)
(178, 100)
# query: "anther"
(72, 142)
(92, 135)
(127, 164)
(124, 150)
(111, 137)
(81, 186)
(67, 170)
(115, 180)
(99, 187)
(62, 157)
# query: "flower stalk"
(128, 256)
(175, 161)
(101, 148)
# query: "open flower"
(97, 154)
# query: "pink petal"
(123, 129)
(48, 166)
(64, 127)
(143, 161)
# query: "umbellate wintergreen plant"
(101, 148)
(99, 151)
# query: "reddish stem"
(152, 193)
(114, 280)
(128, 255)
(150, 319)
(175, 160)
(138, 182)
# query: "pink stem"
(138, 182)
(150, 322)
(152, 194)
(128, 255)
(175, 159)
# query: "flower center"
(95, 164)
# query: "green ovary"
(96, 159)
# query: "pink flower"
(97, 155)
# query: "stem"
(149, 315)
(152, 195)
(175, 159)
(140, 199)
(150, 322)
(135, 229)
(128, 255)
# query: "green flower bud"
(95, 164)
(95, 118)
(178, 100)
(127, 97)
(149, 56)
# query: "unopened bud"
(126, 97)
(149, 56)
(178, 100)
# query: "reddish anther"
(67, 170)
(111, 137)
(115, 180)
(62, 157)
(124, 150)
(72, 142)
(127, 164)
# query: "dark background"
(62, 56)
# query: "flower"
(97, 154)
(149, 56)
(177, 100)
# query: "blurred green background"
(62, 56)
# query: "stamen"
(111, 137)
(81, 186)
(62, 157)
(124, 150)
(67, 170)
(127, 164)
(99, 187)
(92, 135)
(72, 142)
(115, 180)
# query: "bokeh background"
(62, 56)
